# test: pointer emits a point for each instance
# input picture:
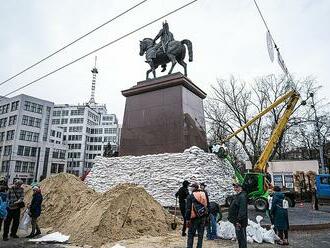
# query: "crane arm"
(292, 97)
(261, 164)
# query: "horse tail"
(189, 45)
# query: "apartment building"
(26, 148)
(87, 129)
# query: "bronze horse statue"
(175, 52)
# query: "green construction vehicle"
(258, 182)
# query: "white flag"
(270, 46)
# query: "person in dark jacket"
(196, 222)
(215, 211)
(237, 214)
(280, 216)
(35, 211)
(182, 194)
(15, 197)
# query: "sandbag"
(226, 230)
(25, 221)
(270, 236)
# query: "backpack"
(199, 209)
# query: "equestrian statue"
(167, 50)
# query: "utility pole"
(319, 141)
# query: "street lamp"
(317, 127)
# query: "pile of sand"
(93, 218)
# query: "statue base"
(163, 115)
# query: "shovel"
(174, 224)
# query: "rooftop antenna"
(94, 71)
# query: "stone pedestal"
(163, 115)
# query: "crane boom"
(292, 97)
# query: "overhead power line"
(71, 43)
(281, 61)
(98, 49)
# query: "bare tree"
(233, 103)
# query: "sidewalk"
(300, 217)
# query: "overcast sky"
(228, 38)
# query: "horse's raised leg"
(184, 65)
(173, 60)
(148, 71)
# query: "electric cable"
(71, 43)
(98, 49)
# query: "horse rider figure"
(165, 37)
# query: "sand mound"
(95, 219)
(64, 196)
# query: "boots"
(31, 235)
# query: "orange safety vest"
(200, 196)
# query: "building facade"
(26, 150)
(87, 130)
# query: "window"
(65, 112)
(110, 130)
(79, 111)
(76, 120)
(14, 106)
(53, 168)
(2, 136)
(27, 151)
(64, 121)
(76, 129)
(56, 121)
(12, 120)
(25, 120)
(20, 150)
(25, 166)
(3, 122)
(10, 134)
(33, 107)
(7, 151)
(278, 180)
(4, 108)
(57, 113)
(29, 136)
(325, 180)
(33, 151)
(31, 121)
(288, 181)
(18, 166)
(75, 137)
(74, 146)
(31, 167)
(5, 166)
(60, 168)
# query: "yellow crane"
(256, 182)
